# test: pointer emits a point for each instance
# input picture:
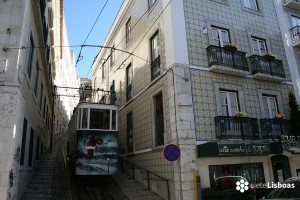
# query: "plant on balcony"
(240, 114)
(231, 47)
(279, 116)
(294, 114)
(270, 56)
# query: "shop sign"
(289, 142)
(244, 149)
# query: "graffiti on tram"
(97, 153)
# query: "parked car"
(227, 189)
(285, 193)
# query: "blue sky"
(80, 16)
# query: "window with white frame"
(270, 106)
(259, 46)
(36, 79)
(251, 4)
(112, 56)
(229, 103)
(295, 21)
(155, 64)
(151, 2)
(30, 56)
(128, 82)
(220, 36)
(128, 30)
(103, 70)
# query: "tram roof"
(97, 106)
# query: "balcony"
(274, 128)
(236, 128)
(222, 61)
(295, 36)
(155, 68)
(293, 4)
(264, 69)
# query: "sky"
(80, 16)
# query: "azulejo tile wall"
(206, 86)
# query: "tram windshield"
(93, 118)
(99, 119)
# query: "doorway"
(281, 168)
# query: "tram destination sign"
(243, 149)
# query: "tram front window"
(99, 119)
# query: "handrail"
(135, 166)
(123, 157)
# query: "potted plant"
(231, 47)
(269, 56)
(240, 114)
(279, 116)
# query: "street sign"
(171, 152)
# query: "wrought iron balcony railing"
(262, 65)
(295, 34)
(274, 128)
(236, 128)
(155, 68)
(219, 56)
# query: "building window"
(41, 96)
(151, 2)
(128, 82)
(259, 46)
(103, 71)
(251, 4)
(30, 56)
(229, 103)
(128, 30)
(23, 142)
(159, 119)
(31, 147)
(295, 21)
(155, 58)
(270, 106)
(44, 110)
(37, 149)
(112, 56)
(220, 36)
(224, 177)
(129, 132)
(36, 79)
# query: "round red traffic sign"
(171, 152)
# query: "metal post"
(169, 198)
(133, 171)
(199, 187)
(148, 181)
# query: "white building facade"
(26, 89)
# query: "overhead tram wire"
(79, 55)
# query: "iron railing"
(155, 68)
(229, 127)
(146, 177)
(262, 65)
(219, 56)
(274, 128)
(295, 34)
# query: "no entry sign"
(171, 152)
